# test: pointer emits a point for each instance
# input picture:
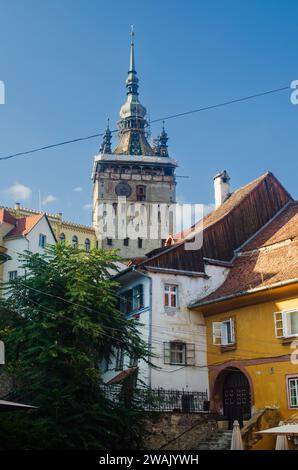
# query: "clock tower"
(134, 184)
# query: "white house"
(159, 290)
(18, 235)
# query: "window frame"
(140, 192)
(281, 324)
(12, 275)
(74, 241)
(218, 332)
(189, 353)
(42, 240)
(290, 378)
(132, 300)
(62, 237)
(119, 363)
(168, 294)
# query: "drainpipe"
(150, 322)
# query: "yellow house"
(252, 330)
(76, 234)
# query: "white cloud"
(48, 199)
(86, 207)
(19, 192)
(78, 189)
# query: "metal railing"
(160, 400)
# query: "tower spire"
(132, 124)
(106, 141)
(132, 51)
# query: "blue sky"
(64, 65)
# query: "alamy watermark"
(294, 94)
(151, 221)
(2, 92)
(294, 355)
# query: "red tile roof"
(24, 225)
(269, 258)
(119, 378)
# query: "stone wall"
(177, 431)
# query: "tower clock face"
(123, 189)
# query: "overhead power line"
(166, 118)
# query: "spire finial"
(106, 141)
(132, 53)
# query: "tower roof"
(132, 124)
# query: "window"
(179, 353)
(286, 323)
(42, 240)
(12, 275)
(119, 359)
(224, 332)
(133, 361)
(74, 241)
(293, 392)
(141, 192)
(87, 244)
(170, 292)
(109, 241)
(126, 241)
(132, 299)
(163, 242)
(140, 243)
(62, 237)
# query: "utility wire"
(166, 118)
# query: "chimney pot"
(221, 187)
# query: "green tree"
(59, 323)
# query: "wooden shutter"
(216, 331)
(279, 324)
(190, 355)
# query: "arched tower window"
(87, 244)
(74, 241)
(62, 237)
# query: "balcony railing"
(160, 400)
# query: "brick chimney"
(221, 187)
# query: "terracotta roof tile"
(271, 257)
(24, 225)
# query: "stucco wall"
(15, 246)
(263, 357)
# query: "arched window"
(87, 244)
(62, 237)
(74, 241)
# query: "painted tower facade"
(134, 184)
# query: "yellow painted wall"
(73, 229)
(255, 339)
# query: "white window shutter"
(224, 333)
(232, 323)
(280, 328)
(216, 330)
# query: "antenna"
(39, 200)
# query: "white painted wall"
(173, 324)
(15, 246)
